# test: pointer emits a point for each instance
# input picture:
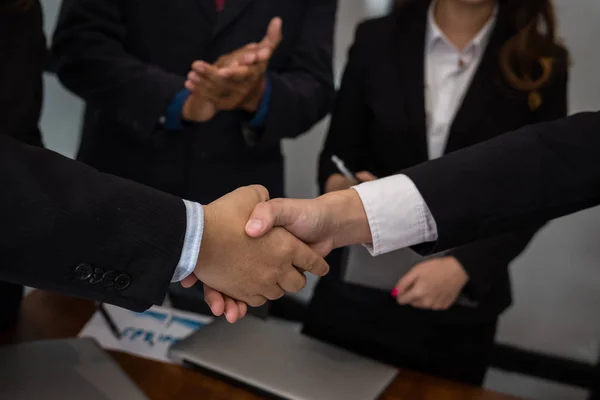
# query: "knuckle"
(275, 295)
(286, 246)
(256, 302)
(270, 276)
(298, 283)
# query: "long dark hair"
(528, 58)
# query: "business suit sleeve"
(302, 91)
(68, 228)
(516, 180)
(93, 62)
(346, 137)
(486, 260)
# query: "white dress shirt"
(398, 216)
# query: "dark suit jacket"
(379, 125)
(68, 228)
(128, 59)
(529, 176)
(22, 55)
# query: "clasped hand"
(330, 221)
(233, 265)
(235, 81)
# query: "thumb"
(266, 215)
(274, 34)
(405, 283)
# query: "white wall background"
(556, 282)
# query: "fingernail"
(395, 293)
(254, 225)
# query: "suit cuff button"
(83, 272)
(109, 278)
(122, 282)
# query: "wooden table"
(50, 316)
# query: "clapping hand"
(235, 81)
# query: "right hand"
(330, 221)
(339, 182)
(251, 269)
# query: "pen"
(343, 169)
(109, 321)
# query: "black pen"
(109, 321)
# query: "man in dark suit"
(22, 51)
(129, 61)
(68, 228)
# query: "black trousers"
(453, 344)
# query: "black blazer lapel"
(233, 8)
(208, 8)
(409, 51)
(481, 92)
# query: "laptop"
(71, 369)
(273, 358)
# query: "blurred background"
(556, 280)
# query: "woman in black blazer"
(400, 104)
(22, 54)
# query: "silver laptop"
(71, 369)
(276, 359)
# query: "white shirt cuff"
(398, 216)
(191, 242)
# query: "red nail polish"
(395, 292)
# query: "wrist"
(460, 271)
(254, 98)
(347, 217)
(186, 113)
(205, 255)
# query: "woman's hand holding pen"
(338, 181)
(433, 284)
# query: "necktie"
(220, 5)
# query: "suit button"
(97, 276)
(109, 278)
(122, 282)
(83, 272)
(249, 135)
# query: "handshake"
(235, 81)
(254, 249)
